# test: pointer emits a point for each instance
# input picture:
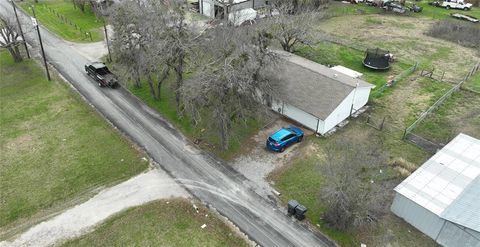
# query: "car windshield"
(102, 71)
(271, 140)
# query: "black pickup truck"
(100, 73)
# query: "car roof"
(281, 133)
(98, 65)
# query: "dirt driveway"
(259, 162)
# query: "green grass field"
(55, 148)
(161, 224)
(60, 17)
(204, 131)
(332, 54)
(458, 114)
(473, 83)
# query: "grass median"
(54, 147)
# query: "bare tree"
(352, 191)
(152, 39)
(231, 78)
(293, 29)
(127, 41)
(10, 38)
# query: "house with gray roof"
(442, 197)
(316, 96)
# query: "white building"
(442, 197)
(316, 96)
(219, 8)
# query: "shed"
(442, 197)
(316, 96)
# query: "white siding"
(298, 115)
(417, 216)
(358, 97)
(208, 8)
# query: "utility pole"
(20, 28)
(106, 38)
(35, 24)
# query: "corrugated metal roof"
(449, 182)
(465, 210)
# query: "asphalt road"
(207, 178)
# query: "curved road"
(206, 178)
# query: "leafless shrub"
(461, 32)
(353, 192)
(401, 162)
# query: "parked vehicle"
(283, 138)
(415, 8)
(456, 4)
(100, 73)
(394, 7)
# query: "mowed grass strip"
(161, 223)
(60, 17)
(53, 146)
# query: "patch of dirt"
(20, 144)
(405, 37)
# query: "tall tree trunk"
(136, 78)
(163, 77)
(152, 88)
(224, 133)
(179, 81)
(16, 55)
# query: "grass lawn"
(60, 17)
(459, 114)
(204, 131)
(333, 54)
(473, 83)
(55, 148)
(161, 224)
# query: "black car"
(100, 73)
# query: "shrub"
(461, 32)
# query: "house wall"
(453, 235)
(298, 115)
(358, 97)
(207, 8)
(419, 217)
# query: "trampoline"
(377, 59)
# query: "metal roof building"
(442, 197)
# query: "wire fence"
(396, 79)
(433, 108)
(66, 20)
